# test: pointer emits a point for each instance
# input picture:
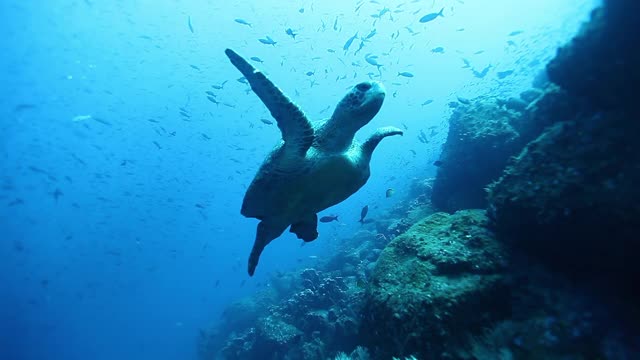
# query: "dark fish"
(267, 121)
(102, 121)
(291, 33)
(430, 17)
(504, 74)
(427, 102)
(268, 41)
(57, 193)
(190, 26)
(371, 34)
(156, 144)
(23, 107)
(517, 32)
(219, 87)
(195, 67)
(243, 22)
(309, 73)
(464, 101)
(438, 50)
(438, 163)
(15, 202)
(217, 283)
(257, 59)
(363, 213)
(327, 219)
(389, 193)
(37, 170)
(482, 73)
(349, 42)
(405, 74)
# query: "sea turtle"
(314, 166)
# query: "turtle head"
(359, 106)
(355, 110)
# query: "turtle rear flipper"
(307, 229)
(296, 129)
(264, 235)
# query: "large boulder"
(435, 284)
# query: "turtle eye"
(363, 87)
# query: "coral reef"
(442, 278)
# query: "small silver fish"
(349, 42)
(268, 41)
(405, 74)
(243, 22)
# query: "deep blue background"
(123, 264)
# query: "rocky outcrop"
(442, 278)
(571, 196)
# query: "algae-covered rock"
(485, 134)
(572, 197)
(481, 138)
(443, 277)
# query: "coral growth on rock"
(442, 278)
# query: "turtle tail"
(373, 140)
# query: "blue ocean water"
(120, 229)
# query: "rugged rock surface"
(601, 63)
(572, 197)
(442, 278)
(477, 133)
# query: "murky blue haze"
(118, 214)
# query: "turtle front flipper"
(296, 129)
(306, 229)
(265, 234)
(375, 138)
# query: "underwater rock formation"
(484, 134)
(571, 197)
(314, 319)
(442, 278)
(601, 63)
(480, 132)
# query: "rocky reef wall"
(571, 196)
